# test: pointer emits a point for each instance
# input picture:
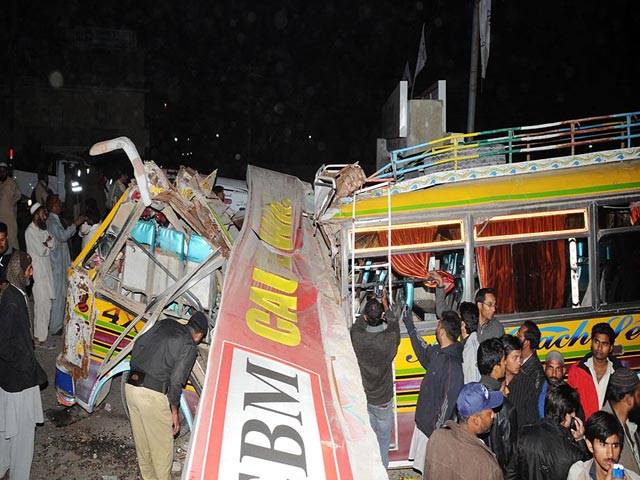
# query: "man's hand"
(578, 432)
(436, 277)
(80, 220)
(385, 301)
(176, 420)
(505, 390)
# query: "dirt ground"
(94, 447)
(98, 446)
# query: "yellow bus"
(547, 215)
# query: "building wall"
(74, 118)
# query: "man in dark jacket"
(547, 449)
(525, 387)
(503, 435)
(161, 360)
(375, 340)
(20, 373)
(442, 382)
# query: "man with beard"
(554, 372)
(623, 399)
(605, 440)
(20, 374)
(590, 376)
(9, 196)
(39, 245)
(60, 259)
(455, 452)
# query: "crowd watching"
(503, 412)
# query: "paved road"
(97, 446)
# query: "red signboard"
(268, 408)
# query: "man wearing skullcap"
(39, 245)
(554, 371)
(623, 397)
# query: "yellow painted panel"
(549, 185)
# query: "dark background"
(290, 84)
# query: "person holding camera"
(546, 450)
(375, 337)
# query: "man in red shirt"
(590, 376)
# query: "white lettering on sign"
(270, 427)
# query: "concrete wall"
(425, 121)
(424, 124)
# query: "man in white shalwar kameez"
(9, 196)
(39, 245)
(20, 373)
(60, 260)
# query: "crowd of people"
(160, 361)
(488, 408)
(28, 324)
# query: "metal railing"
(548, 140)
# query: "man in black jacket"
(161, 360)
(375, 341)
(525, 387)
(547, 449)
(441, 384)
(20, 373)
(503, 435)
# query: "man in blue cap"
(161, 360)
(454, 451)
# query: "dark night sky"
(266, 75)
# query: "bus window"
(533, 276)
(620, 267)
(530, 225)
(619, 215)
(619, 251)
(412, 236)
(451, 262)
(414, 268)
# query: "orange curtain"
(410, 264)
(526, 276)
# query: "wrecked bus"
(159, 254)
(548, 215)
